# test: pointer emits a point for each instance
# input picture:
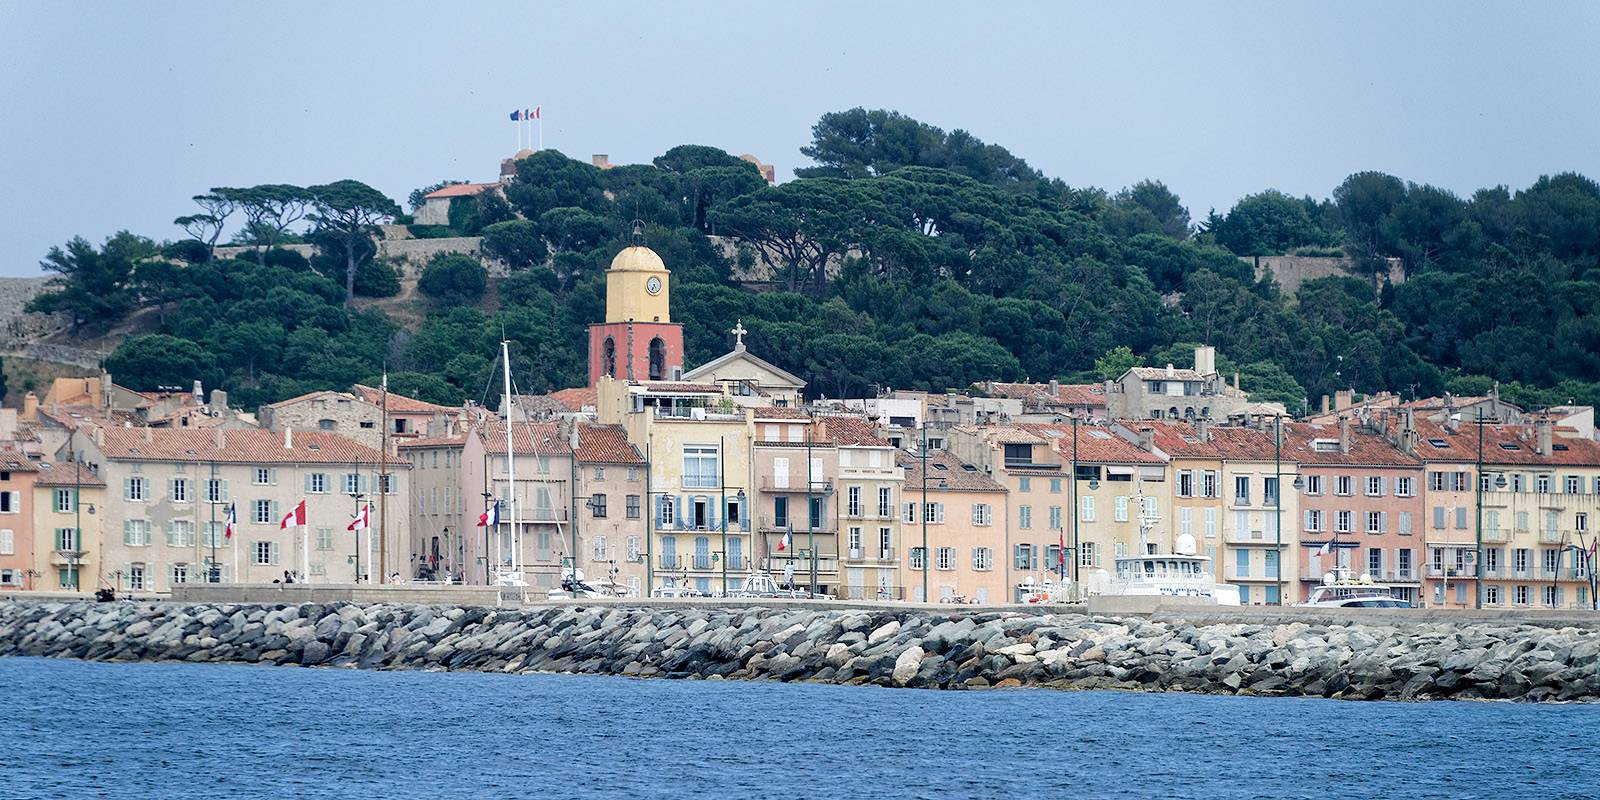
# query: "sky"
(113, 115)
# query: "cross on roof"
(738, 332)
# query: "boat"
(1181, 573)
(765, 586)
(1049, 591)
(1340, 590)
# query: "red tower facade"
(638, 351)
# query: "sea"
(73, 729)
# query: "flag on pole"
(232, 520)
(1327, 548)
(534, 115)
(788, 539)
(490, 517)
(1062, 551)
(360, 522)
(517, 115)
(296, 516)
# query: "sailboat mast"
(511, 473)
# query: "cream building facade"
(68, 508)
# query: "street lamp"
(485, 559)
(357, 497)
(1477, 479)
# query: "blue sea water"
(73, 729)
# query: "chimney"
(219, 401)
(1326, 404)
(99, 436)
(91, 387)
(1055, 387)
(221, 441)
(1547, 431)
(1170, 371)
(1344, 434)
(199, 395)
(288, 438)
(30, 407)
(1147, 439)
(1202, 429)
(1343, 399)
(1236, 381)
(1205, 359)
(149, 435)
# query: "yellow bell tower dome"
(636, 287)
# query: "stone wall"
(63, 354)
(1341, 657)
(1291, 271)
(18, 327)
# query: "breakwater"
(1383, 658)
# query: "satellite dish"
(1028, 581)
(1185, 545)
(1327, 579)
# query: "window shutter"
(127, 533)
(172, 488)
(225, 493)
(1383, 522)
(1307, 525)
(272, 476)
(127, 488)
(308, 482)
(273, 547)
(274, 513)
(939, 513)
(977, 515)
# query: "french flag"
(490, 517)
(788, 539)
(232, 520)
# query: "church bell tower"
(638, 341)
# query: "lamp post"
(1277, 497)
(1477, 479)
(1076, 587)
(486, 496)
(923, 512)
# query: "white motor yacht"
(1340, 590)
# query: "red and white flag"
(788, 539)
(1061, 552)
(232, 520)
(296, 516)
(360, 522)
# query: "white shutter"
(977, 514)
(273, 547)
(780, 473)
(272, 476)
(273, 513)
(1383, 522)
(127, 488)
(938, 515)
(8, 543)
(127, 533)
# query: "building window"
(1403, 487)
(633, 549)
(983, 558)
(352, 483)
(1055, 486)
(136, 577)
(180, 533)
(1314, 520)
(66, 539)
(265, 553)
(1491, 595)
(853, 501)
(1210, 486)
(325, 424)
(1024, 517)
(180, 490)
(933, 512)
(317, 483)
(1574, 484)
(63, 501)
(136, 533)
(658, 359)
(214, 491)
(1119, 508)
(1342, 485)
(780, 512)
(632, 506)
(1374, 522)
(1241, 490)
(1341, 521)
(598, 544)
(178, 573)
(263, 476)
(1023, 557)
(885, 502)
(261, 511)
(1024, 484)
(944, 558)
(1541, 484)
(1519, 595)
(700, 466)
(598, 504)
(1186, 483)
(133, 491)
(609, 360)
(599, 473)
(1374, 486)
(1088, 554)
(982, 514)
(914, 560)
(1055, 518)
(1087, 511)
(885, 544)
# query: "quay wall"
(1174, 649)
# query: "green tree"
(345, 211)
(1171, 218)
(517, 244)
(422, 386)
(206, 226)
(93, 285)
(148, 363)
(453, 279)
(1267, 224)
(269, 211)
(1116, 362)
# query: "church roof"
(704, 371)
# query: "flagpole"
(540, 117)
(305, 550)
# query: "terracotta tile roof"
(815, 443)
(527, 438)
(76, 416)
(1179, 438)
(577, 399)
(1004, 434)
(957, 475)
(455, 440)
(1160, 374)
(14, 461)
(458, 190)
(238, 447)
(542, 404)
(1078, 394)
(1095, 443)
(682, 388)
(1367, 448)
(849, 431)
(1504, 445)
(606, 444)
(66, 473)
(399, 403)
(765, 413)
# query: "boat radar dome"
(1327, 579)
(1185, 545)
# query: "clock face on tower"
(653, 285)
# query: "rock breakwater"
(1384, 659)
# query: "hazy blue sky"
(113, 114)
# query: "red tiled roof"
(310, 395)
(456, 440)
(687, 388)
(13, 461)
(956, 474)
(398, 403)
(576, 399)
(527, 438)
(1178, 438)
(1503, 445)
(1160, 374)
(606, 444)
(765, 413)
(458, 190)
(848, 431)
(66, 473)
(238, 447)
(1095, 443)
(1081, 394)
(1366, 447)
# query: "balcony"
(826, 564)
(1496, 535)
(1551, 537)
(867, 556)
(1026, 463)
(1461, 572)
(798, 525)
(701, 563)
(696, 414)
(1232, 572)
(797, 484)
(1256, 537)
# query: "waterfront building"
(68, 507)
(1186, 394)
(797, 470)
(871, 488)
(953, 524)
(17, 545)
(1361, 497)
(171, 490)
(1533, 490)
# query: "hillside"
(958, 264)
